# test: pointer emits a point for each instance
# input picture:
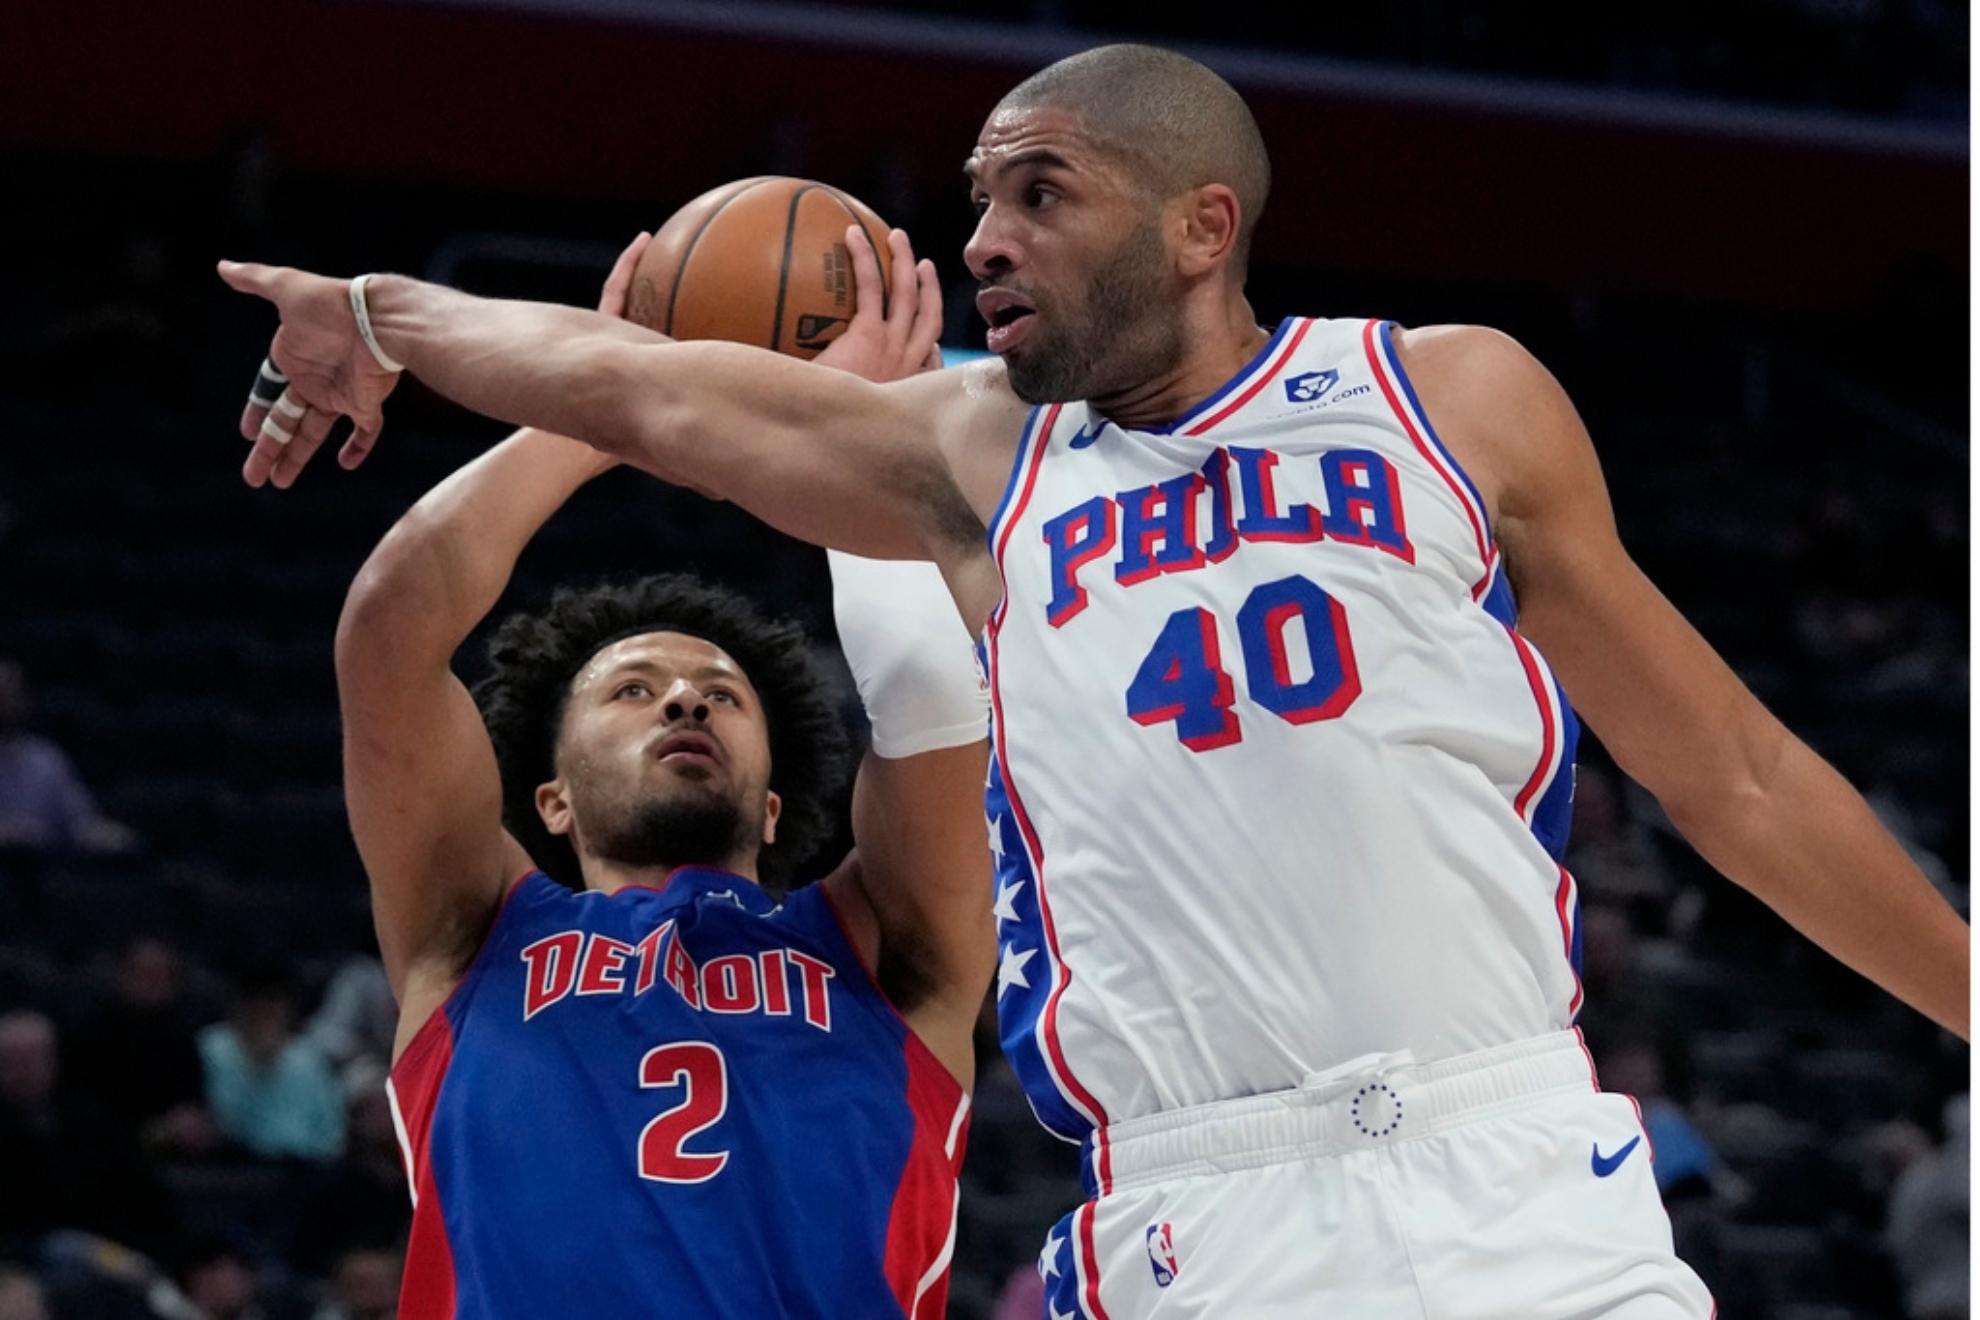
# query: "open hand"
(901, 340)
(331, 374)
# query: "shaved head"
(1170, 121)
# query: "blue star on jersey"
(1025, 981)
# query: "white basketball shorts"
(1498, 1184)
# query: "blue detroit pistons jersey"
(1277, 782)
(689, 1101)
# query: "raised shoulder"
(1499, 411)
(979, 422)
(976, 423)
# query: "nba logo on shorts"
(1162, 1254)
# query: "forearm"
(1805, 843)
(817, 453)
(445, 564)
(531, 364)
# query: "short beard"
(689, 830)
(1130, 333)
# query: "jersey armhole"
(439, 1012)
(920, 1058)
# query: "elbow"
(1730, 802)
(391, 605)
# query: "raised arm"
(916, 891)
(820, 454)
(420, 779)
(1756, 802)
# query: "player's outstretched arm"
(1756, 802)
(421, 783)
(820, 454)
(916, 891)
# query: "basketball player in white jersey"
(1282, 775)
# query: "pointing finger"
(249, 277)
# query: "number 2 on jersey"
(701, 1072)
(1182, 678)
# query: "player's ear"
(773, 807)
(1208, 219)
(553, 804)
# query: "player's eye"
(724, 696)
(630, 689)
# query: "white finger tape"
(288, 407)
(270, 431)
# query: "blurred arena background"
(1736, 229)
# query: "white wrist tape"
(910, 655)
(363, 315)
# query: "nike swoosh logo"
(1086, 437)
(1604, 1165)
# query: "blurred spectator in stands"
(21, 1295)
(361, 1201)
(355, 1024)
(137, 1054)
(219, 1279)
(1697, 1188)
(1022, 1296)
(1929, 1225)
(1610, 854)
(271, 1090)
(44, 806)
(1620, 1002)
(63, 1163)
(1686, 1166)
(366, 1286)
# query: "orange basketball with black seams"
(759, 261)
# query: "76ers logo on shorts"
(1162, 1255)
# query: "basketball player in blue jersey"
(655, 1081)
(1289, 633)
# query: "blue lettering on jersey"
(1158, 529)
(774, 982)
(1161, 529)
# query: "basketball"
(759, 261)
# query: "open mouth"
(1007, 314)
(685, 746)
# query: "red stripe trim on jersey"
(1089, 1263)
(1484, 584)
(1251, 391)
(1525, 803)
(1055, 1061)
(427, 1289)
(1039, 438)
(1472, 513)
(921, 1227)
(1564, 909)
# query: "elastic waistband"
(1370, 1101)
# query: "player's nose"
(992, 249)
(683, 701)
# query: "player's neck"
(608, 877)
(1214, 354)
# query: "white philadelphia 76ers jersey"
(1276, 782)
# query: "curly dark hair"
(534, 657)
